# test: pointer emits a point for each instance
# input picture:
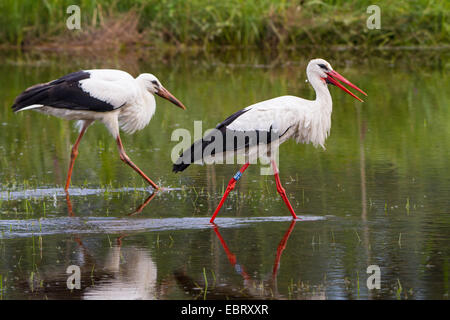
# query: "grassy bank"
(215, 23)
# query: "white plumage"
(112, 97)
(306, 121)
(289, 117)
(132, 100)
(296, 117)
(115, 87)
(134, 276)
(259, 129)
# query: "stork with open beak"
(279, 119)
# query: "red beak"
(333, 76)
(164, 93)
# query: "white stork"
(278, 119)
(112, 97)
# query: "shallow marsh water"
(378, 195)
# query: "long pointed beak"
(333, 76)
(164, 93)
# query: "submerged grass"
(205, 290)
(215, 23)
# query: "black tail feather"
(195, 152)
(191, 155)
(65, 93)
(32, 95)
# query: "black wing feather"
(191, 155)
(64, 93)
(232, 141)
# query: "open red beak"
(164, 93)
(332, 78)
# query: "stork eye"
(155, 82)
(324, 67)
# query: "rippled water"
(378, 195)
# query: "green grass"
(237, 23)
(205, 290)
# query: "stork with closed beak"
(112, 97)
(278, 119)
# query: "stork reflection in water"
(252, 289)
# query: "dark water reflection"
(379, 194)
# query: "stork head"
(154, 86)
(321, 69)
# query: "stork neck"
(323, 96)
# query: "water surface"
(378, 194)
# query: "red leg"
(231, 185)
(126, 159)
(230, 255)
(69, 205)
(281, 190)
(119, 239)
(280, 249)
(142, 206)
(74, 155)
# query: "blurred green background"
(379, 193)
(211, 23)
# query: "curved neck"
(323, 96)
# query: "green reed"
(212, 23)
